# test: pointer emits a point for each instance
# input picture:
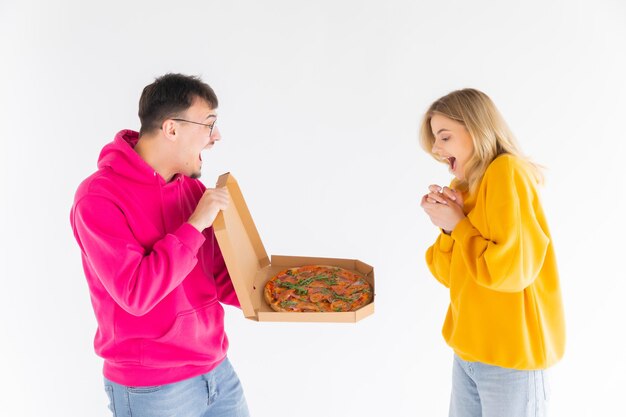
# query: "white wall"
(341, 86)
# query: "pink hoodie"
(155, 281)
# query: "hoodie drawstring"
(156, 177)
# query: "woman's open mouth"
(452, 162)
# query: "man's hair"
(169, 96)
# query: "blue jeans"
(480, 390)
(214, 394)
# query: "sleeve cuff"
(446, 242)
(190, 237)
(463, 229)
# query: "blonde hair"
(490, 134)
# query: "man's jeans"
(480, 390)
(214, 394)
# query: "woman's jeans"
(480, 390)
(214, 394)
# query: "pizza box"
(250, 267)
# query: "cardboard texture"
(250, 267)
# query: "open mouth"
(452, 162)
(208, 146)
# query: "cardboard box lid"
(239, 240)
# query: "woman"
(505, 320)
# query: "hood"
(120, 157)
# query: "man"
(155, 271)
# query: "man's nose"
(215, 134)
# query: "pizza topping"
(356, 288)
(284, 295)
(339, 305)
(317, 288)
(339, 289)
(316, 298)
(317, 294)
(305, 306)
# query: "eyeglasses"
(201, 124)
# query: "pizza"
(317, 288)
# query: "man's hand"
(444, 206)
(212, 201)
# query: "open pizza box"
(250, 267)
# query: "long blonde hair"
(490, 134)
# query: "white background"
(320, 103)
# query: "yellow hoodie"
(499, 264)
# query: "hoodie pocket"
(196, 338)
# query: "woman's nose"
(436, 149)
